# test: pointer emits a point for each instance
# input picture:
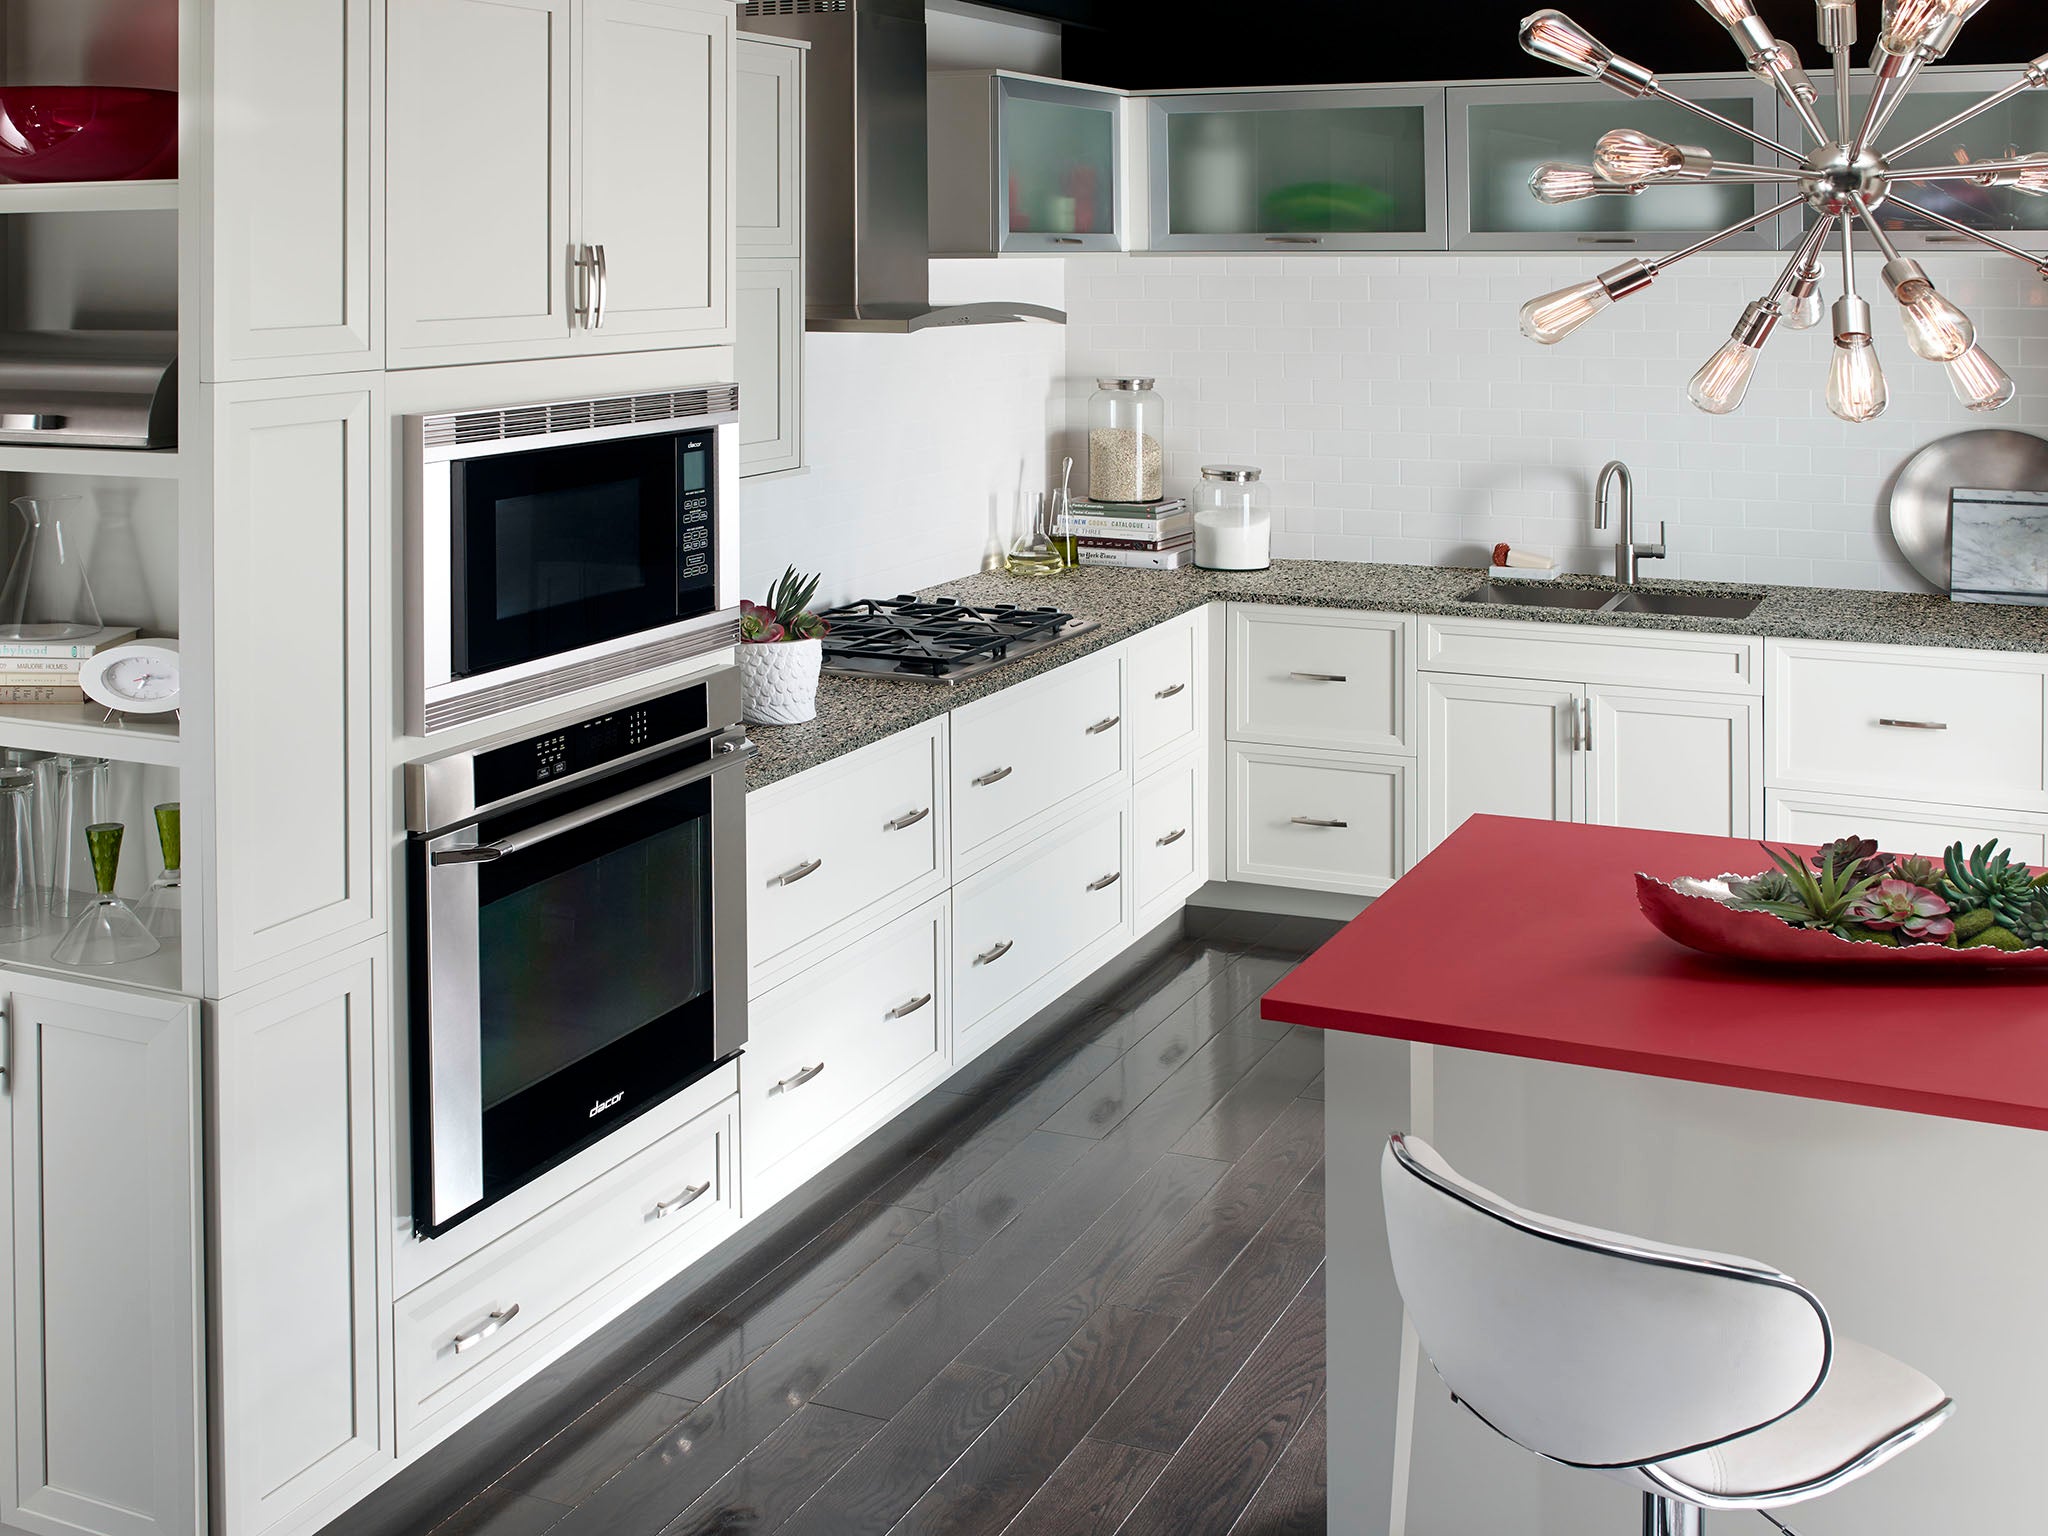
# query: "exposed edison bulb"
(1557, 39)
(1979, 382)
(1729, 12)
(1807, 308)
(1629, 156)
(1908, 24)
(1856, 387)
(1554, 316)
(1556, 182)
(1935, 328)
(1718, 387)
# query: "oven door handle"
(730, 755)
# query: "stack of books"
(46, 671)
(1146, 535)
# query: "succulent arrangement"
(787, 613)
(1985, 899)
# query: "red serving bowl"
(87, 133)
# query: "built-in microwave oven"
(558, 546)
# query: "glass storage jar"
(1233, 529)
(1126, 441)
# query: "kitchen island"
(1878, 1137)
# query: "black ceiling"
(1142, 44)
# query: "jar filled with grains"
(1126, 441)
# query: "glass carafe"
(107, 932)
(162, 909)
(21, 892)
(74, 795)
(47, 594)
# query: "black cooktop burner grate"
(939, 638)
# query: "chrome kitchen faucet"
(1627, 552)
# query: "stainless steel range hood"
(869, 204)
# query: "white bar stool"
(1704, 1380)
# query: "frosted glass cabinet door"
(1500, 134)
(2017, 127)
(1023, 166)
(1336, 170)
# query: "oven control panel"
(509, 770)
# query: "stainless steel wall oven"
(577, 936)
(555, 546)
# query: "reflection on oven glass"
(581, 958)
(561, 547)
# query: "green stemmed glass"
(162, 908)
(108, 931)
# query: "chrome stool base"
(1670, 1517)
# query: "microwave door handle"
(730, 756)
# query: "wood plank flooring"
(1087, 1300)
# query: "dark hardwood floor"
(1078, 1292)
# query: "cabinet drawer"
(1900, 826)
(1581, 654)
(1313, 678)
(1020, 921)
(1035, 746)
(1952, 727)
(1319, 820)
(1166, 834)
(831, 843)
(517, 1302)
(828, 1043)
(1166, 665)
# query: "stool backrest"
(1586, 1346)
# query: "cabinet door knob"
(803, 871)
(1915, 725)
(904, 1010)
(663, 1209)
(909, 820)
(1105, 725)
(1106, 881)
(993, 776)
(1316, 821)
(1319, 677)
(990, 957)
(797, 1080)
(1173, 837)
(497, 1320)
(1167, 693)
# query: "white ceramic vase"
(779, 681)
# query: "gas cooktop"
(938, 640)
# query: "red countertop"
(1523, 938)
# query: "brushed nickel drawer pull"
(993, 776)
(993, 955)
(1608, 240)
(1294, 239)
(663, 1209)
(1173, 837)
(904, 1010)
(1105, 725)
(1067, 240)
(803, 871)
(1915, 725)
(910, 820)
(1314, 821)
(1167, 693)
(1106, 881)
(497, 1320)
(789, 1084)
(1319, 677)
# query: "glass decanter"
(109, 931)
(162, 909)
(47, 594)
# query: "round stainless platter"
(1974, 461)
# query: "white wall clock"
(141, 678)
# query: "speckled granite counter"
(855, 711)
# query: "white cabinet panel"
(768, 118)
(1589, 654)
(1674, 762)
(1301, 677)
(768, 362)
(1035, 746)
(1169, 827)
(106, 1424)
(1168, 667)
(302, 1331)
(1320, 820)
(1901, 826)
(478, 195)
(299, 641)
(297, 182)
(653, 168)
(1500, 749)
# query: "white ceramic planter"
(779, 682)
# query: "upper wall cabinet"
(1339, 170)
(1500, 134)
(768, 285)
(296, 174)
(559, 178)
(1021, 165)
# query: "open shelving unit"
(85, 730)
(117, 463)
(90, 197)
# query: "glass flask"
(162, 909)
(1036, 552)
(47, 594)
(21, 893)
(108, 931)
(74, 796)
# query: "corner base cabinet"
(106, 1415)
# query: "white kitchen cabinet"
(303, 1324)
(768, 362)
(1900, 826)
(301, 641)
(1168, 670)
(1500, 748)
(768, 285)
(1303, 677)
(293, 228)
(1169, 838)
(106, 1421)
(1325, 821)
(560, 178)
(1674, 762)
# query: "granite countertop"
(852, 711)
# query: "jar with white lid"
(1233, 529)
(1126, 441)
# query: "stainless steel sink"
(1537, 595)
(1686, 605)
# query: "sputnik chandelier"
(1842, 177)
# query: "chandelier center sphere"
(1835, 179)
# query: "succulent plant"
(757, 624)
(787, 613)
(1822, 898)
(1856, 856)
(1915, 869)
(1911, 911)
(1772, 886)
(1988, 880)
(2032, 923)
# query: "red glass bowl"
(52, 133)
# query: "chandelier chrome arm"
(1805, 262)
(1838, 35)
(2036, 76)
(1996, 244)
(1984, 171)
(1657, 268)
(1893, 78)
(1662, 92)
